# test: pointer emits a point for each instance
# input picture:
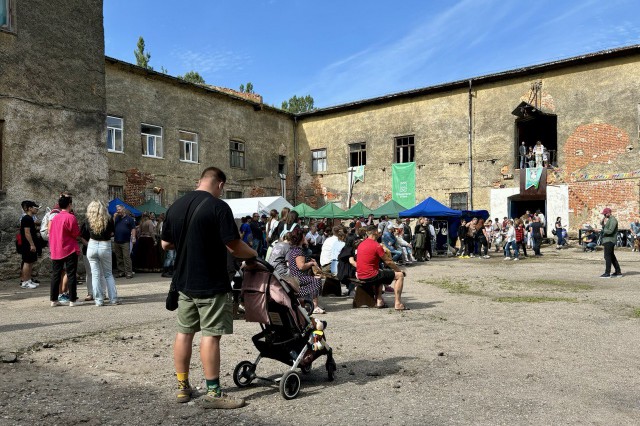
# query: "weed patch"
(533, 299)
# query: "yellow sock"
(183, 379)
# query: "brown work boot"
(184, 393)
(222, 401)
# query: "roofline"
(209, 89)
(488, 78)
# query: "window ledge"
(153, 156)
(114, 151)
(189, 162)
(6, 30)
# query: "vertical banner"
(403, 184)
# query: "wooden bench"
(331, 286)
(364, 295)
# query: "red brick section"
(598, 143)
(594, 143)
(135, 184)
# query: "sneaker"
(221, 401)
(55, 303)
(605, 275)
(616, 275)
(76, 303)
(115, 302)
(28, 284)
(36, 282)
(63, 299)
(184, 394)
(507, 258)
(515, 258)
(129, 276)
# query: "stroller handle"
(263, 262)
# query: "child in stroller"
(288, 335)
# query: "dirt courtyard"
(487, 341)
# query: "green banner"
(533, 178)
(403, 184)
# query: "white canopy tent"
(242, 207)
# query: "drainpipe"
(470, 144)
(295, 160)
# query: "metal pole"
(470, 146)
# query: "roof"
(252, 99)
(242, 207)
(488, 78)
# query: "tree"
(163, 70)
(142, 57)
(296, 105)
(192, 77)
(247, 89)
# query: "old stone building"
(102, 128)
(52, 103)
(162, 132)
(464, 137)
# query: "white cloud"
(209, 61)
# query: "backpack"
(46, 223)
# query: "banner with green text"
(403, 184)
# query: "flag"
(357, 174)
(403, 184)
(533, 178)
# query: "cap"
(29, 203)
(607, 210)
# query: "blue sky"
(349, 50)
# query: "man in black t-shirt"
(536, 234)
(28, 248)
(201, 228)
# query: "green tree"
(163, 70)
(192, 77)
(300, 104)
(247, 89)
(142, 57)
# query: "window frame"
(185, 142)
(398, 150)
(242, 153)
(315, 161)
(157, 146)
(236, 195)
(456, 205)
(360, 151)
(115, 129)
(115, 191)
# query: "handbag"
(171, 303)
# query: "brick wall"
(136, 182)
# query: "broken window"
(114, 134)
(405, 149)
(319, 160)
(357, 154)
(458, 200)
(236, 150)
(282, 165)
(188, 146)
(151, 137)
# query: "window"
(188, 146)
(114, 134)
(405, 149)
(237, 154)
(151, 194)
(116, 192)
(6, 15)
(229, 195)
(357, 154)
(282, 165)
(319, 160)
(458, 200)
(151, 137)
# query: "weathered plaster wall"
(52, 103)
(141, 97)
(603, 96)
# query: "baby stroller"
(288, 335)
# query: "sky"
(351, 50)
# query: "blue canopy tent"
(431, 208)
(117, 201)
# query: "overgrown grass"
(636, 313)
(533, 299)
(455, 287)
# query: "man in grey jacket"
(609, 236)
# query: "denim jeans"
(99, 254)
(169, 258)
(511, 245)
(396, 255)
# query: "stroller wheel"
(306, 369)
(290, 384)
(244, 374)
(331, 370)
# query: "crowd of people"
(533, 156)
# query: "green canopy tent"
(358, 210)
(391, 208)
(152, 207)
(303, 210)
(330, 211)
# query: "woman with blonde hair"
(101, 230)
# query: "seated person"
(389, 241)
(368, 256)
(300, 267)
(278, 256)
(590, 240)
(405, 247)
(327, 250)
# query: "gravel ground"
(540, 341)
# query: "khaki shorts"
(211, 315)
